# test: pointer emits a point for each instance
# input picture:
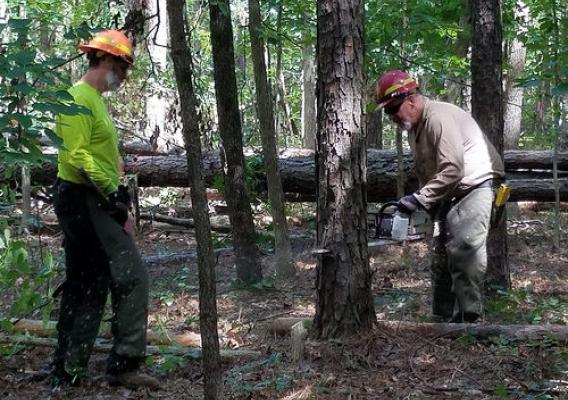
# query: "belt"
(73, 185)
(488, 183)
(485, 184)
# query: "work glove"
(119, 202)
(408, 204)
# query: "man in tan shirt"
(457, 168)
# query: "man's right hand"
(119, 202)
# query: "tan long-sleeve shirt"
(451, 153)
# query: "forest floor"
(383, 364)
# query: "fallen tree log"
(49, 328)
(102, 347)
(297, 171)
(283, 326)
(219, 223)
(180, 258)
(40, 328)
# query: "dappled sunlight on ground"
(382, 364)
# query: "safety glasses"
(121, 64)
(392, 108)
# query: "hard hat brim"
(85, 48)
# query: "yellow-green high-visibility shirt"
(90, 140)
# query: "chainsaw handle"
(388, 204)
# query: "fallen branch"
(101, 347)
(219, 223)
(182, 257)
(49, 328)
(282, 326)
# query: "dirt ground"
(383, 364)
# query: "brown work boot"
(134, 380)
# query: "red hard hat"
(394, 84)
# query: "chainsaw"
(395, 225)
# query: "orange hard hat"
(394, 84)
(113, 42)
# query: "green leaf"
(19, 24)
(56, 140)
(560, 90)
(24, 88)
(83, 31)
(529, 83)
(25, 57)
(28, 300)
(6, 325)
(501, 392)
(22, 119)
(60, 108)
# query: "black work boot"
(465, 317)
(61, 379)
(124, 371)
(133, 380)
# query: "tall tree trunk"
(399, 132)
(487, 109)
(241, 67)
(343, 283)
(309, 122)
(513, 95)
(283, 251)
(374, 128)
(160, 101)
(281, 95)
(513, 107)
(238, 199)
(455, 87)
(181, 56)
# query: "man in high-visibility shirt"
(457, 168)
(99, 254)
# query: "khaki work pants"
(459, 259)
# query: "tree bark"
(455, 87)
(248, 265)
(309, 118)
(514, 95)
(283, 251)
(344, 303)
(160, 104)
(281, 95)
(487, 109)
(181, 57)
(374, 122)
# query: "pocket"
(65, 199)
